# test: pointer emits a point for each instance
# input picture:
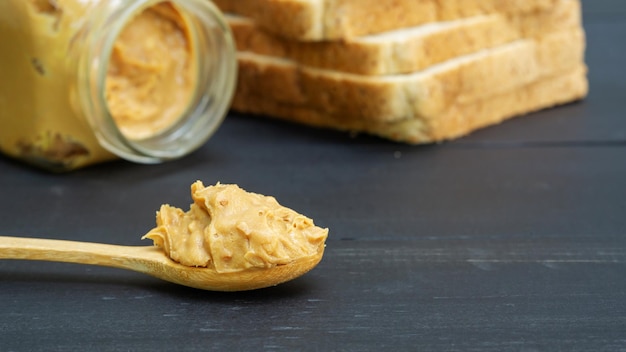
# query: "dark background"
(511, 239)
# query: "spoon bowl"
(153, 261)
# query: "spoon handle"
(152, 261)
(124, 257)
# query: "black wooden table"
(512, 239)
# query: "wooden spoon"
(153, 261)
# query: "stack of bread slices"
(414, 71)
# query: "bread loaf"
(414, 71)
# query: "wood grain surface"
(511, 239)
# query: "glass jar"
(84, 81)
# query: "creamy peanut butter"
(149, 84)
(230, 230)
(150, 77)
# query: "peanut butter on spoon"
(229, 240)
(229, 230)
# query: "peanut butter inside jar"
(150, 75)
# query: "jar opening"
(160, 77)
(150, 76)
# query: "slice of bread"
(317, 20)
(424, 94)
(409, 49)
(458, 120)
(400, 51)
